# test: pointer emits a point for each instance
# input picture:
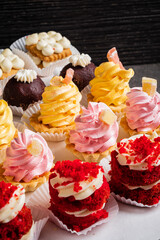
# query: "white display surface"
(131, 223)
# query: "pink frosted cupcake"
(28, 161)
(142, 113)
(95, 134)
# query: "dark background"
(92, 26)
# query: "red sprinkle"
(141, 148)
(6, 192)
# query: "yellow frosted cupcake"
(111, 83)
(7, 128)
(61, 105)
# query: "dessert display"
(111, 83)
(47, 47)
(15, 218)
(142, 113)
(60, 106)
(78, 192)
(7, 128)
(135, 169)
(95, 133)
(83, 70)
(23, 89)
(28, 161)
(9, 63)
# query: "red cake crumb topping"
(6, 192)
(141, 148)
(17, 227)
(77, 170)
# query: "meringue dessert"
(60, 106)
(47, 47)
(111, 83)
(10, 63)
(95, 133)
(28, 161)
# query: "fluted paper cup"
(40, 199)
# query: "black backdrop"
(92, 26)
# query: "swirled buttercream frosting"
(111, 83)
(80, 60)
(27, 157)
(142, 110)
(26, 75)
(61, 103)
(91, 134)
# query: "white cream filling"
(123, 159)
(88, 187)
(14, 206)
(146, 187)
(84, 212)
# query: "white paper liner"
(18, 47)
(84, 92)
(40, 198)
(40, 219)
(131, 202)
(56, 137)
(20, 126)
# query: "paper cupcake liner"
(18, 47)
(55, 137)
(132, 202)
(20, 127)
(84, 92)
(40, 198)
(40, 220)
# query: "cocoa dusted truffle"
(24, 89)
(83, 70)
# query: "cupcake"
(61, 105)
(135, 169)
(9, 63)
(28, 161)
(111, 83)
(83, 70)
(78, 193)
(15, 218)
(45, 48)
(95, 133)
(142, 112)
(7, 128)
(23, 89)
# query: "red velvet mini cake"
(15, 218)
(78, 193)
(135, 168)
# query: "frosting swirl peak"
(80, 60)
(26, 75)
(28, 157)
(92, 134)
(142, 110)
